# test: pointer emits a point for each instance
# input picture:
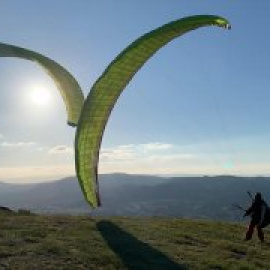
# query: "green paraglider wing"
(65, 82)
(109, 86)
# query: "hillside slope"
(80, 242)
(141, 195)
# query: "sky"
(197, 107)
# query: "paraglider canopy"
(65, 82)
(110, 85)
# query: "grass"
(68, 242)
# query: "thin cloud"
(17, 144)
(61, 150)
(149, 158)
(170, 158)
(119, 153)
(132, 152)
(157, 146)
(31, 174)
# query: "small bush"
(24, 212)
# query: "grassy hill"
(80, 242)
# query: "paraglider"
(65, 82)
(260, 217)
(92, 115)
(109, 86)
(259, 213)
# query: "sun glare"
(40, 96)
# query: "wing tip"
(72, 124)
(228, 26)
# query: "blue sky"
(199, 106)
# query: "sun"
(40, 97)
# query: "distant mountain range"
(141, 195)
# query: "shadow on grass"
(134, 253)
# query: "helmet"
(258, 196)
